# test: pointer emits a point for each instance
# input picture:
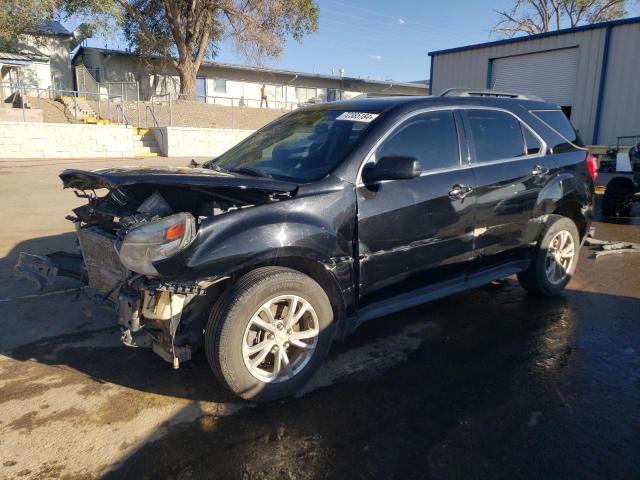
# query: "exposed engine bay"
(128, 226)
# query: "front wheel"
(555, 260)
(269, 333)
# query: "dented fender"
(316, 226)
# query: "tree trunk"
(187, 73)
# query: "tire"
(238, 323)
(545, 276)
(613, 200)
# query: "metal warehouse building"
(592, 72)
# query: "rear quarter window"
(558, 121)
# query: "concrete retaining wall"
(197, 142)
(59, 140)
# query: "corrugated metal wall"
(551, 74)
(621, 107)
(469, 68)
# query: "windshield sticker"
(358, 116)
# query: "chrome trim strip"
(533, 112)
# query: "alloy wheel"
(280, 338)
(559, 259)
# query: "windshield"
(302, 147)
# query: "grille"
(104, 268)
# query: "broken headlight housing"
(156, 240)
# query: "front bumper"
(150, 311)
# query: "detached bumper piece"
(607, 247)
(43, 269)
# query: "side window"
(496, 135)
(557, 120)
(533, 144)
(430, 137)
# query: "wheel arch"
(573, 210)
(325, 273)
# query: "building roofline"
(268, 70)
(51, 28)
(594, 26)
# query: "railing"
(160, 101)
(22, 93)
(117, 106)
(621, 141)
(148, 110)
(240, 102)
(122, 115)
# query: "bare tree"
(538, 16)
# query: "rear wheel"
(615, 200)
(269, 333)
(555, 260)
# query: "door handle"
(458, 191)
(539, 170)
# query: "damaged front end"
(145, 217)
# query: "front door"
(419, 231)
(510, 168)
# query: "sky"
(377, 39)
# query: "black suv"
(328, 217)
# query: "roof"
(22, 58)
(527, 38)
(248, 68)
(53, 27)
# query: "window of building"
(274, 92)
(496, 135)
(431, 138)
(304, 94)
(201, 89)
(220, 85)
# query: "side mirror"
(391, 168)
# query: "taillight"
(592, 165)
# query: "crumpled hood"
(172, 176)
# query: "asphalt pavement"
(490, 383)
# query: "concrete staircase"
(78, 107)
(144, 143)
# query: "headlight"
(155, 241)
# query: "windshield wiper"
(250, 171)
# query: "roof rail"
(467, 92)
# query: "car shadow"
(91, 345)
(465, 404)
(470, 374)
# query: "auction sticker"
(358, 116)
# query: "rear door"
(511, 169)
(419, 231)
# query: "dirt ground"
(184, 113)
(490, 383)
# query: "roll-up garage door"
(550, 75)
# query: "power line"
(406, 36)
(401, 42)
(395, 18)
(388, 25)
